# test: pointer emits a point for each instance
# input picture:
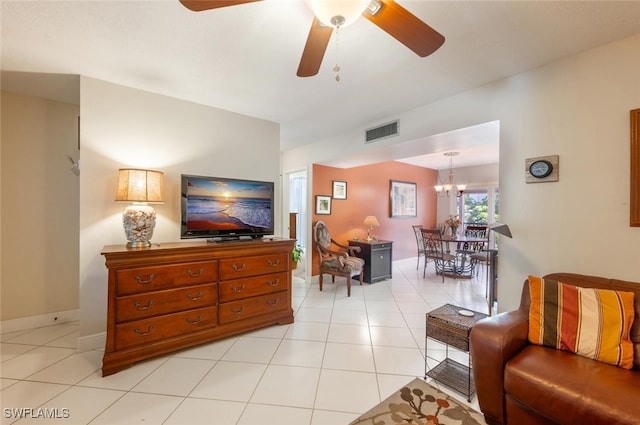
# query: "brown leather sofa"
(520, 383)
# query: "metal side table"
(452, 325)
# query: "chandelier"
(449, 187)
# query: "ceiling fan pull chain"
(336, 67)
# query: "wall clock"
(542, 169)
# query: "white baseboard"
(32, 322)
(92, 342)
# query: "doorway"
(296, 213)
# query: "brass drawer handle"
(239, 269)
(236, 311)
(139, 332)
(238, 290)
(144, 307)
(195, 322)
(196, 298)
(274, 302)
(145, 281)
(273, 283)
(274, 263)
(198, 274)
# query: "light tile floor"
(341, 357)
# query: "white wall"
(577, 108)
(125, 127)
(40, 208)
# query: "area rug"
(418, 403)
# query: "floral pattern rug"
(418, 403)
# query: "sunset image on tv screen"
(228, 204)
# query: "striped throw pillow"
(593, 323)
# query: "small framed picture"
(339, 190)
(323, 205)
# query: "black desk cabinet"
(377, 257)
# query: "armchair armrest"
(493, 342)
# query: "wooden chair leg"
(348, 286)
(320, 282)
(361, 273)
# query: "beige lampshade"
(140, 186)
(371, 221)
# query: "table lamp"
(139, 187)
(370, 221)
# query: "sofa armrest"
(493, 342)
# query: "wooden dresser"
(176, 295)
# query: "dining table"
(462, 266)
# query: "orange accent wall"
(368, 194)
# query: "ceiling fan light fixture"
(338, 13)
(374, 7)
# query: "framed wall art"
(403, 199)
(634, 214)
(323, 205)
(339, 190)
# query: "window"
(473, 206)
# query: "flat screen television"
(225, 208)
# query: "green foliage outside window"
(476, 208)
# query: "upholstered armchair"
(336, 262)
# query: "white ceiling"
(244, 58)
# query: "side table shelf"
(447, 325)
(454, 375)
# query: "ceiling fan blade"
(314, 49)
(200, 5)
(406, 28)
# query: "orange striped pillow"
(593, 323)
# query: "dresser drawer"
(251, 286)
(148, 304)
(130, 281)
(144, 331)
(253, 266)
(243, 309)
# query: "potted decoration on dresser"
(296, 255)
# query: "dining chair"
(434, 251)
(419, 242)
(476, 231)
(482, 255)
(336, 262)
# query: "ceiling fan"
(386, 14)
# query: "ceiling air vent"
(382, 132)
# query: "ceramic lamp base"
(139, 222)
